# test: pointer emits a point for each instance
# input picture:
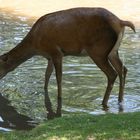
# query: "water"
(83, 83)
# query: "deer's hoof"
(51, 115)
(58, 115)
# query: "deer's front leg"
(58, 69)
(48, 105)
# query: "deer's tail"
(129, 24)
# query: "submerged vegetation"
(125, 126)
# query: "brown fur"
(95, 32)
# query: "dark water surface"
(83, 83)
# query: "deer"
(84, 31)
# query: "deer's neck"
(18, 55)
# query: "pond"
(83, 82)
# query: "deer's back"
(74, 29)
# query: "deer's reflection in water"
(12, 119)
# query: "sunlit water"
(83, 83)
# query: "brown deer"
(94, 32)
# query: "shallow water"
(83, 83)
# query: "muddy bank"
(125, 9)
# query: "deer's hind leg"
(99, 50)
(103, 63)
(118, 65)
(121, 70)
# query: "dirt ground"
(125, 9)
